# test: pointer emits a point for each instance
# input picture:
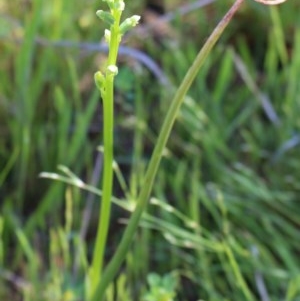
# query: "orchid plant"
(98, 278)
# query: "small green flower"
(99, 80)
(129, 23)
(112, 70)
(107, 17)
(119, 5)
(107, 35)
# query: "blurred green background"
(223, 223)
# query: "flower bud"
(112, 70)
(129, 23)
(107, 35)
(119, 5)
(99, 80)
(106, 17)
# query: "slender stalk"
(107, 182)
(116, 261)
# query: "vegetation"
(222, 223)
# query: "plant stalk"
(108, 137)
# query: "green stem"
(107, 182)
(114, 43)
(116, 261)
(105, 208)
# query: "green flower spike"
(105, 83)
